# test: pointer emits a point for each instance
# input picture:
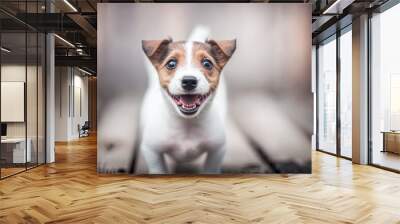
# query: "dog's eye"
(207, 64)
(171, 64)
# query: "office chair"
(84, 130)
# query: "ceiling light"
(65, 41)
(84, 71)
(5, 50)
(338, 6)
(79, 51)
(70, 5)
(331, 7)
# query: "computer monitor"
(3, 129)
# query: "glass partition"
(14, 145)
(22, 101)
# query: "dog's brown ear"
(222, 50)
(156, 50)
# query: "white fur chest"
(183, 140)
(187, 143)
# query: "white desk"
(18, 144)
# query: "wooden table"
(391, 141)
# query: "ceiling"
(75, 22)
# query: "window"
(385, 89)
(346, 93)
(327, 96)
(333, 137)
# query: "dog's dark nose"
(189, 83)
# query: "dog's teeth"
(189, 106)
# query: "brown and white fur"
(180, 121)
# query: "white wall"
(12, 101)
(18, 73)
(14, 73)
(70, 83)
(79, 117)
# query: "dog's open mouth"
(189, 103)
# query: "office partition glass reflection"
(327, 95)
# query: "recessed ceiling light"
(70, 5)
(65, 41)
(5, 50)
(338, 6)
(84, 71)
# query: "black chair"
(84, 130)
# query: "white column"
(50, 98)
(360, 90)
(314, 92)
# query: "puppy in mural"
(183, 112)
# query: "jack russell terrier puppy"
(183, 112)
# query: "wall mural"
(204, 88)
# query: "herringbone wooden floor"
(70, 191)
